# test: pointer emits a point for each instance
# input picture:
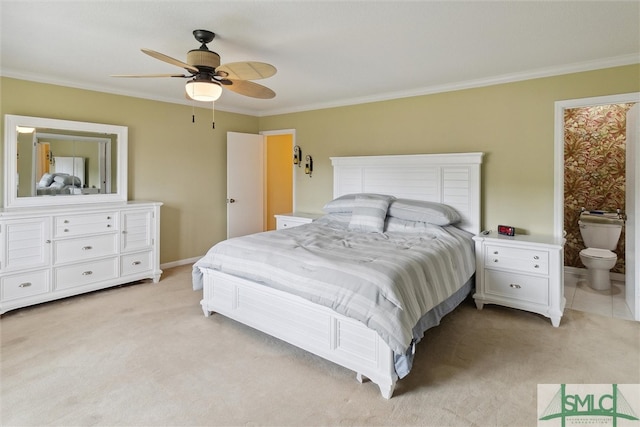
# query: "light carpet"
(145, 355)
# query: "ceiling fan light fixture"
(203, 90)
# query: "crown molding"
(429, 90)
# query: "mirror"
(57, 162)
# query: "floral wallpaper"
(594, 171)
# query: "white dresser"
(293, 219)
(522, 271)
(47, 253)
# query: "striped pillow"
(369, 212)
(346, 202)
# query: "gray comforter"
(386, 280)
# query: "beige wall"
(171, 159)
(184, 164)
(513, 124)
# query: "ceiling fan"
(207, 77)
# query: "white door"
(632, 202)
(245, 184)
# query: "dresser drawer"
(24, 285)
(135, 263)
(74, 225)
(86, 273)
(517, 259)
(517, 286)
(83, 248)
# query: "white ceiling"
(328, 53)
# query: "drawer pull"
(24, 285)
(495, 252)
(86, 248)
(495, 260)
(136, 263)
(536, 266)
(87, 273)
(47, 241)
(66, 221)
(108, 217)
(108, 225)
(66, 230)
(514, 286)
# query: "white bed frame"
(453, 179)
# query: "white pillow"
(369, 212)
(423, 211)
(46, 180)
(67, 180)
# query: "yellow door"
(279, 180)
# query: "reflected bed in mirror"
(56, 162)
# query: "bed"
(361, 310)
(52, 184)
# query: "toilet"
(600, 233)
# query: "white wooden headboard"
(451, 179)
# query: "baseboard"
(581, 273)
(179, 262)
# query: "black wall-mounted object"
(297, 155)
(308, 167)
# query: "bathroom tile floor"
(608, 303)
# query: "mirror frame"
(11, 199)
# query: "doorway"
(630, 291)
(260, 180)
(279, 182)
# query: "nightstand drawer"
(517, 286)
(523, 260)
(294, 219)
(288, 223)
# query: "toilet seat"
(598, 253)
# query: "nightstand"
(523, 271)
(294, 219)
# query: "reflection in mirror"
(54, 163)
(63, 158)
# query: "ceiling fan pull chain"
(193, 114)
(213, 113)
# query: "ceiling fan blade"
(249, 70)
(150, 75)
(170, 60)
(247, 88)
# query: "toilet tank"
(600, 233)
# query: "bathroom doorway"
(628, 300)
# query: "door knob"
(231, 200)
